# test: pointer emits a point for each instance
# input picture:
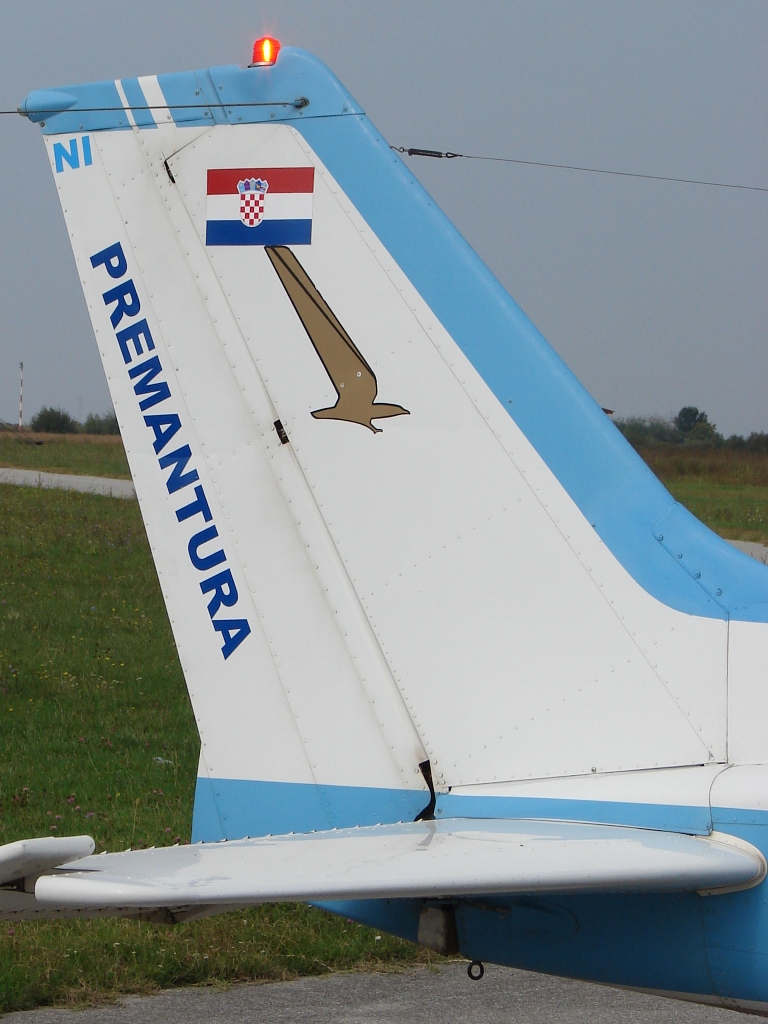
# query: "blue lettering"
(62, 155)
(224, 591)
(86, 144)
(178, 477)
(134, 333)
(164, 428)
(233, 632)
(119, 294)
(113, 258)
(132, 341)
(199, 505)
(147, 371)
(205, 562)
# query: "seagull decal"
(351, 376)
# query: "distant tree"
(54, 421)
(695, 427)
(647, 431)
(688, 417)
(704, 433)
(756, 443)
(104, 423)
(737, 443)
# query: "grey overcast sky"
(654, 293)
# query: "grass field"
(727, 490)
(91, 694)
(65, 453)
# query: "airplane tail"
(407, 559)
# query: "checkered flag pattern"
(251, 208)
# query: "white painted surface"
(124, 100)
(484, 586)
(291, 703)
(748, 692)
(683, 787)
(741, 787)
(277, 206)
(32, 856)
(155, 99)
(416, 859)
(430, 590)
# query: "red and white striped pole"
(21, 394)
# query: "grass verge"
(84, 454)
(727, 490)
(91, 696)
(77, 963)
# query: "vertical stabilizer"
(390, 526)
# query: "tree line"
(59, 421)
(691, 427)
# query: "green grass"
(91, 692)
(67, 453)
(732, 510)
(727, 490)
(712, 465)
(75, 963)
(90, 684)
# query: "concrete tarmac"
(69, 482)
(442, 995)
(749, 547)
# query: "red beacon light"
(265, 52)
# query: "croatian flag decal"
(260, 206)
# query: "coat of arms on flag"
(252, 194)
(237, 212)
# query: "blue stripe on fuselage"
(234, 808)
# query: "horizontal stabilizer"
(30, 857)
(425, 859)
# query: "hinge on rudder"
(428, 814)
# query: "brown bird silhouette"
(351, 376)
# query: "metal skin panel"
(295, 661)
(426, 859)
(453, 554)
(460, 490)
(252, 719)
(747, 692)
